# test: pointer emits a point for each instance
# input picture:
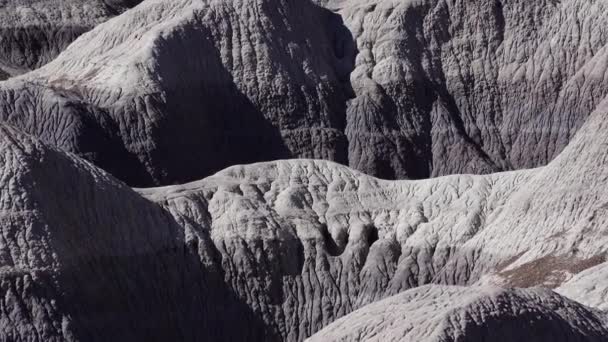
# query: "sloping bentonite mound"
(327, 240)
(85, 258)
(439, 313)
(33, 32)
(177, 90)
(74, 239)
(173, 91)
(286, 247)
(277, 251)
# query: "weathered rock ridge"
(173, 91)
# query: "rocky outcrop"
(439, 313)
(173, 91)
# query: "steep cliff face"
(439, 313)
(34, 32)
(173, 91)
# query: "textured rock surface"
(131, 97)
(176, 90)
(327, 240)
(85, 258)
(470, 87)
(33, 32)
(439, 313)
(65, 228)
(286, 247)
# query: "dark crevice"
(372, 235)
(335, 247)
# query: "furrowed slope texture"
(440, 313)
(176, 90)
(85, 258)
(283, 248)
(305, 242)
(470, 86)
(34, 32)
(173, 91)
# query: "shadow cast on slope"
(202, 114)
(166, 296)
(208, 123)
(122, 268)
